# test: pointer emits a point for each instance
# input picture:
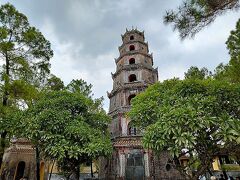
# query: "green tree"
(25, 55)
(54, 83)
(220, 72)
(231, 71)
(233, 45)
(79, 85)
(196, 73)
(68, 127)
(194, 118)
(193, 15)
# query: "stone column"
(146, 163)
(122, 164)
(124, 127)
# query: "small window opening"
(131, 47)
(130, 98)
(131, 37)
(132, 131)
(132, 78)
(132, 61)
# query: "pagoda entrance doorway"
(135, 166)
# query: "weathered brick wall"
(159, 170)
(137, 36)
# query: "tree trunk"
(51, 170)
(6, 82)
(225, 174)
(5, 103)
(37, 164)
(78, 172)
(91, 169)
(3, 145)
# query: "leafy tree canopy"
(193, 15)
(79, 85)
(195, 118)
(54, 83)
(24, 56)
(233, 45)
(24, 50)
(68, 127)
(231, 71)
(196, 73)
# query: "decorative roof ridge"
(131, 53)
(129, 85)
(132, 66)
(132, 31)
(131, 42)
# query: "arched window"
(131, 48)
(130, 98)
(132, 61)
(132, 78)
(20, 170)
(131, 130)
(132, 37)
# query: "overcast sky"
(85, 35)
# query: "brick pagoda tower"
(134, 73)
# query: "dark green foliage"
(234, 41)
(79, 85)
(24, 50)
(68, 127)
(201, 117)
(231, 71)
(193, 15)
(233, 45)
(196, 73)
(24, 55)
(54, 83)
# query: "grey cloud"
(92, 31)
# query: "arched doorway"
(19, 173)
(42, 171)
(135, 166)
